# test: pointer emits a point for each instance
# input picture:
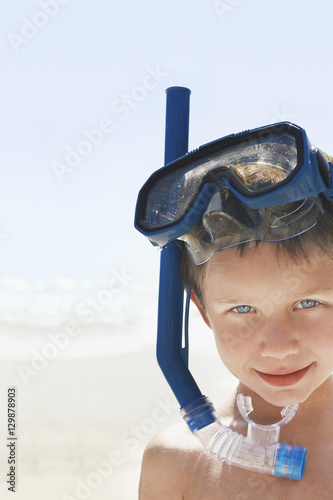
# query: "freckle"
(244, 332)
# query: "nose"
(279, 340)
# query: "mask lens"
(228, 222)
(256, 163)
(265, 164)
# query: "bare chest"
(212, 480)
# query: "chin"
(285, 397)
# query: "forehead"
(261, 267)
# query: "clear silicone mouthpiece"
(259, 451)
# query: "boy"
(262, 279)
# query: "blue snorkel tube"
(172, 355)
(260, 451)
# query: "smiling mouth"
(282, 380)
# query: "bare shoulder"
(167, 464)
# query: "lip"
(284, 379)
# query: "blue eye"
(308, 304)
(243, 309)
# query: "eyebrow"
(222, 300)
(229, 301)
(320, 289)
(312, 291)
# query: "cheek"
(234, 350)
(234, 338)
(235, 328)
(322, 347)
(319, 334)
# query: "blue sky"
(83, 86)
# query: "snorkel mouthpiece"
(260, 451)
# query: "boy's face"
(272, 318)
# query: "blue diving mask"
(263, 184)
(256, 185)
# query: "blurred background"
(83, 114)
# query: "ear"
(204, 316)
